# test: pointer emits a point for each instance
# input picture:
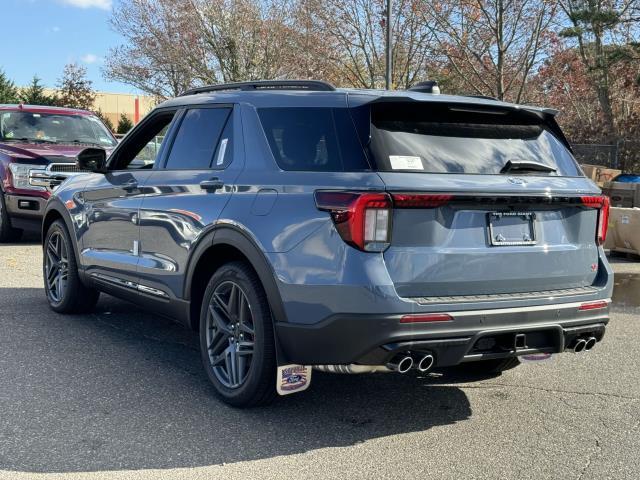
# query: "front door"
(110, 242)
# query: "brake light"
(420, 200)
(363, 220)
(593, 305)
(426, 318)
(600, 202)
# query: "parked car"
(38, 148)
(295, 225)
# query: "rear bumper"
(471, 335)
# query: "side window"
(196, 143)
(142, 147)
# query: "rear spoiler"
(545, 116)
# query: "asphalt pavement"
(121, 394)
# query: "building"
(112, 105)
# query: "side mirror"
(92, 159)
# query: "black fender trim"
(235, 237)
(57, 206)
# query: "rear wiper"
(525, 166)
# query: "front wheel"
(236, 337)
(65, 291)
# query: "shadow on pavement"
(121, 389)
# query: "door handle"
(212, 185)
(130, 186)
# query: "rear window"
(313, 139)
(448, 139)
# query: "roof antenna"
(430, 86)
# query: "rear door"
(185, 195)
(468, 222)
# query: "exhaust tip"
(401, 363)
(405, 364)
(590, 343)
(580, 345)
(425, 363)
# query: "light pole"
(388, 46)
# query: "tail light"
(420, 200)
(363, 220)
(602, 204)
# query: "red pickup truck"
(38, 149)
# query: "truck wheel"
(7, 232)
(236, 337)
(65, 291)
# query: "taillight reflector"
(363, 220)
(601, 203)
(425, 318)
(420, 200)
(593, 305)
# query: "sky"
(41, 36)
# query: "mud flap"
(293, 379)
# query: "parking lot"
(121, 394)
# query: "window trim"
(113, 158)
(175, 131)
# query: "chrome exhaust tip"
(590, 343)
(425, 363)
(401, 363)
(580, 345)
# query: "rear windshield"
(448, 139)
(411, 137)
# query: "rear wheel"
(236, 337)
(7, 232)
(65, 292)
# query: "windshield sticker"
(223, 149)
(404, 162)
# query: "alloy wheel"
(56, 266)
(230, 334)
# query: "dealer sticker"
(404, 162)
(293, 379)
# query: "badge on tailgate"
(511, 228)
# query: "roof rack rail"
(309, 85)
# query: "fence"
(624, 155)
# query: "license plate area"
(511, 228)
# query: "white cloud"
(89, 58)
(103, 4)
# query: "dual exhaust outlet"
(402, 363)
(583, 344)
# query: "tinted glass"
(442, 139)
(313, 139)
(197, 138)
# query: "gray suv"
(297, 226)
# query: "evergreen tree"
(34, 94)
(124, 124)
(106, 120)
(8, 90)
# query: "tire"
(234, 294)
(65, 291)
(7, 232)
(490, 367)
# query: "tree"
(491, 46)
(124, 124)
(35, 94)
(8, 90)
(597, 29)
(106, 120)
(75, 89)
